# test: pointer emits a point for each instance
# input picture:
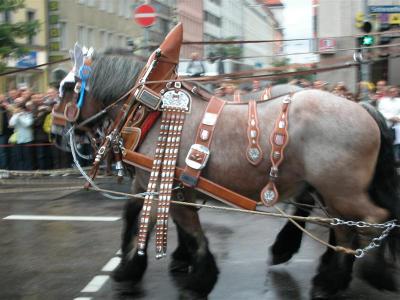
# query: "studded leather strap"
(200, 150)
(279, 139)
(236, 96)
(254, 153)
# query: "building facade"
(191, 15)
(100, 24)
(336, 19)
(36, 79)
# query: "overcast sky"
(298, 24)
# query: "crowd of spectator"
(25, 120)
(25, 131)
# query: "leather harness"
(199, 152)
(142, 110)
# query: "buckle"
(197, 157)
(148, 97)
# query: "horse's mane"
(113, 74)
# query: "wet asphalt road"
(41, 259)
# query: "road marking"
(83, 298)
(111, 265)
(95, 284)
(61, 218)
(303, 260)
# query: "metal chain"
(376, 242)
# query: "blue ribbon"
(84, 74)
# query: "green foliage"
(309, 77)
(228, 50)
(285, 62)
(9, 32)
(280, 63)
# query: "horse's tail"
(384, 188)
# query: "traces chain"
(376, 242)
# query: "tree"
(10, 33)
(280, 63)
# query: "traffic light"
(367, 40)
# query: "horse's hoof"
(179, 266)
(281, 258)
(132, 270)
(381, 280)
(318, 293)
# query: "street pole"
(365, 65)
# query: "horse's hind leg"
(334, 271)
(288, 240)
(132, 266)
(203, 269)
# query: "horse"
(339, 150)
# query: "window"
(103, 40)
(109, 41)
(30, 16)
(110, 6)
(7, 16)
(90, 37)
(213, 19)
(102, 5)
(128, 9)
(217, 2)
(121, 7)
(82, 35)
(63, 36)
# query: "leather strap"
(254, 153)
(203, 185)
(236, 96)
(200, 150)
(267, 93)
(279, 139)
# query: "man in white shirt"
(389, 107)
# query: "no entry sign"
(145, 15)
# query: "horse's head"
(109, 77)
(68, 110)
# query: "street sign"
(145, 15)
(27, 61)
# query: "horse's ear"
(171, 46)
(78, 55)
(71, 55)
(90, 52)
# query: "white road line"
(60, 218)
(95, 284)
(83, 298)
(119, 252)
(111, 265)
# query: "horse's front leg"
(132, 265)
(193, 250)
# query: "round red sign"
(145, 15)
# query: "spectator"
(5, 133)
(381, 87)
(41, 133)
(256, 86)
(22, 121)
(340, 90)
(389, 106)
(195, 67)
(320, 85)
